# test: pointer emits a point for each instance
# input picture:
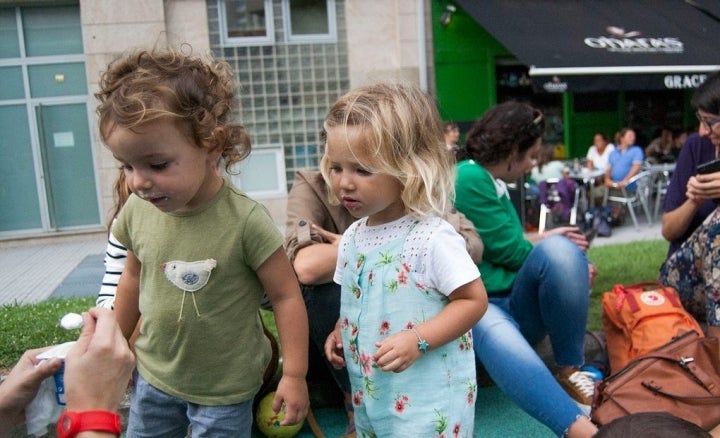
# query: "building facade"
(292, 60)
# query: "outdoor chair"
(558, 198)
(662, 181)
(630, 198)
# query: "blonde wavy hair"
(404, 139)
(198, 93)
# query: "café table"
(586, 179)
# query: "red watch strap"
(71, 423)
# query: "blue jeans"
(550, 296)
(154, 413)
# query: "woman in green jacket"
(537, 285)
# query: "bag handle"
(622, 294)
(688, 365)
(643, 285)
(635, 307)
(657, 390)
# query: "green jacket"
(496, 220)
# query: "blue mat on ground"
(84, 280)
(495, 416)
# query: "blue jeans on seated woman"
(550, 296)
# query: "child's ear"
(214, 144)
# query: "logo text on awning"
(631, 42)
(684, 81)
(636, 45)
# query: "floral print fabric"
(694, 270)
(435, 396)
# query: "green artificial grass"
(625, 264)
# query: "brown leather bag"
(681, 377)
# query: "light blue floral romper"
(435, 396)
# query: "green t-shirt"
(207, 346)
(489, 208)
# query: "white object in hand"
(71, 321)
(57, 351)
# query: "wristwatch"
(72, 423)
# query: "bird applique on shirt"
(189, 277)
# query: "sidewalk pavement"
(36, 272)
(32, 272)
(628, 233)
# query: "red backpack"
(641, 317)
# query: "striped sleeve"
(115, 257)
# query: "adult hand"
(98, 367)
(334, 348)
(572, 233)
(703, 187)
(329, 236)
(21, 386)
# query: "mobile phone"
(709, 167)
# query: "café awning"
(583, 45)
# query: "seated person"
(680, 136)
(691, 219)
(660, 147)
(313, 231)
(565, 191)
(624, 162)
(599, 152)
(546, 167)
(537, 283)
(97, 369)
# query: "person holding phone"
(691, 220)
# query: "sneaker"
(580, 386)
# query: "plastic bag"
(49, 402)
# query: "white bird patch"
(189, 277)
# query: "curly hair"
(404, 140)
(505, 129)
(197, 93)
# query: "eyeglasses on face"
(708, 122)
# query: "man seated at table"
(660, 147)
(624, 162)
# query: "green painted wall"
(582, 126)
(464, 65)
